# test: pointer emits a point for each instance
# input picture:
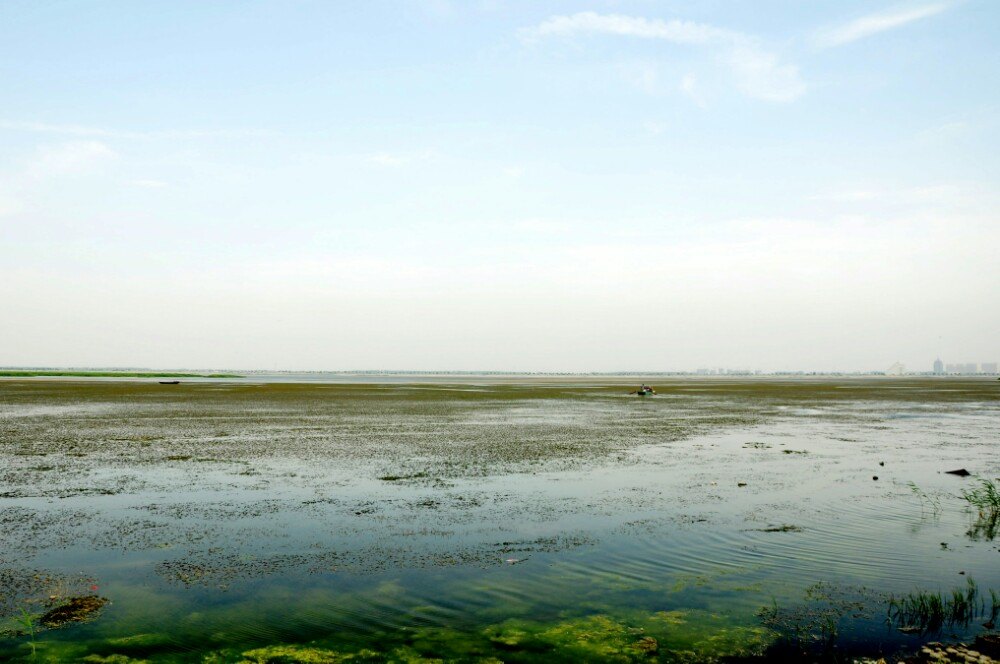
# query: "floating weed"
(399, 478)
(813, 628)
(786, 528)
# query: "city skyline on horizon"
(896, 368)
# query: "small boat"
(170, 382)
(644, 391)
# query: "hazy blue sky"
(499, 185)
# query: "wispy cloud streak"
(872, 24)
(759, 73)
(102, 132)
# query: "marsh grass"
(930, 611)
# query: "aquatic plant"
(925, 611)
(926, 499)
(27, 621)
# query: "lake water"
(488, 519)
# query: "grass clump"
(930, 611)
(986, 498)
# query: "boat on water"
(170, 382)
(644, 390)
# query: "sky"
(491, 185)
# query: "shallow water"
(533, 521)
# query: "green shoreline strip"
(115, 374)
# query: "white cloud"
(875, 23)
(759, 73)
(654, 128)
(936, 194)
(689, 86)
(397, 159)
(150, 184)
(65, 129)
(73, 158)
(643, 75)
(9, 205)
(540, 226)
(386, 159)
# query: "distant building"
(938, 366)
(989, 368)
(962, 368)
(897, 369)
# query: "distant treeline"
(114, 374)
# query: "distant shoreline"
(442, 379)
(110, 374)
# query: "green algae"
(291, 654)
(633, 637)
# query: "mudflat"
(484, 519)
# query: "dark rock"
(988, 644)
